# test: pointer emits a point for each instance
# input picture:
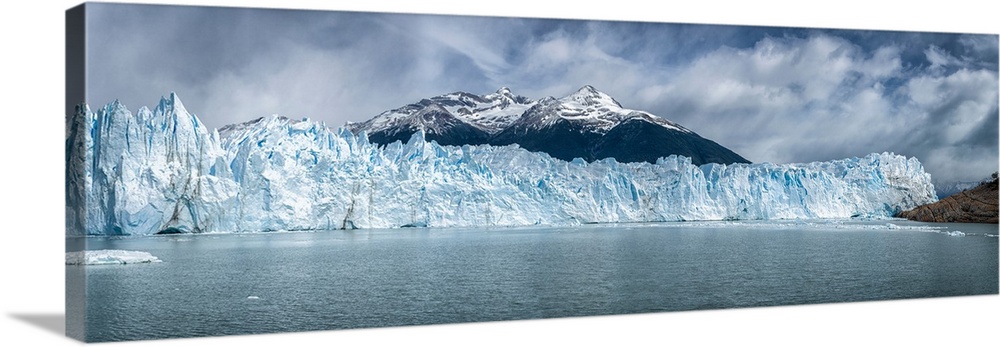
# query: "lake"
(223, 284)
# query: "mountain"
(587, 124)
(161, 171)
(452, 119)
(974, 205)
(951, 188)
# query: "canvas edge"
(75, 94)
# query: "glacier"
(162, 171)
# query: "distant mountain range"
(945, 190)
(587, 124)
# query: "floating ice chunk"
(891, 226)
(953, 233)
(109, 257)
(253, 297)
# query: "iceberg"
(162, 171)
(109, 257)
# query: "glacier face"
(161, 170)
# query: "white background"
(31, 194)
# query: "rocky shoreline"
(976, 205)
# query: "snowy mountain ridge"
(483, 114)
(599, 112)
(596, 111)
(161, 171)
(587, 124)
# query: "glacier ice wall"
(161, 170)
(145, 173)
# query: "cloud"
(770, 94)
(458, 36)
(941, 60)
(822, 97)
(234, 65)
(952, 123)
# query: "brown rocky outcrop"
(976, 205)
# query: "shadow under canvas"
(52, 322)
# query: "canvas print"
(245, 171)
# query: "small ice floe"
(109, 257)
(892, 226)
(253, 297)
(953, 233)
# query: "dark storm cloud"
(771, 94)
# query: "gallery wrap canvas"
(239, 171)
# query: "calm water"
(354, 279)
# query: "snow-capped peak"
(503, 98)
(489, 113)
(590, 96)
(588, 107)
(598, 112)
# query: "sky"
(771, 94)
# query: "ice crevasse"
(163, 171)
